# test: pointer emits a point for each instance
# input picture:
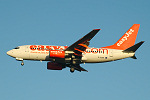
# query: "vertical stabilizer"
(127, 40)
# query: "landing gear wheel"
(72, 70)
(22, 63)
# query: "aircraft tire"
(72, 70)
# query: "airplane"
(60, 57)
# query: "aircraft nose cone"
(9, 53)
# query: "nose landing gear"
(20, 59)
(22, 63)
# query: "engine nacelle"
(57, 54)
(54, 66)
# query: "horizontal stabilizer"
(134, 57)
(134, 47)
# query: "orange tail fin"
(127, 40)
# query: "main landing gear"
(22, 63)
(72, 69)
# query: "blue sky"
(62, 22)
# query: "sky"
(62, 22)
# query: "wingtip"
(142, 41)
(97, 29)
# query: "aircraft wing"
(79, 68)
(80, 46)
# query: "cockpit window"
(16, 48)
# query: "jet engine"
(54, 66)
(57, 54)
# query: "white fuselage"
(91, 55)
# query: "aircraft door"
(110, 53)
(27, 54)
